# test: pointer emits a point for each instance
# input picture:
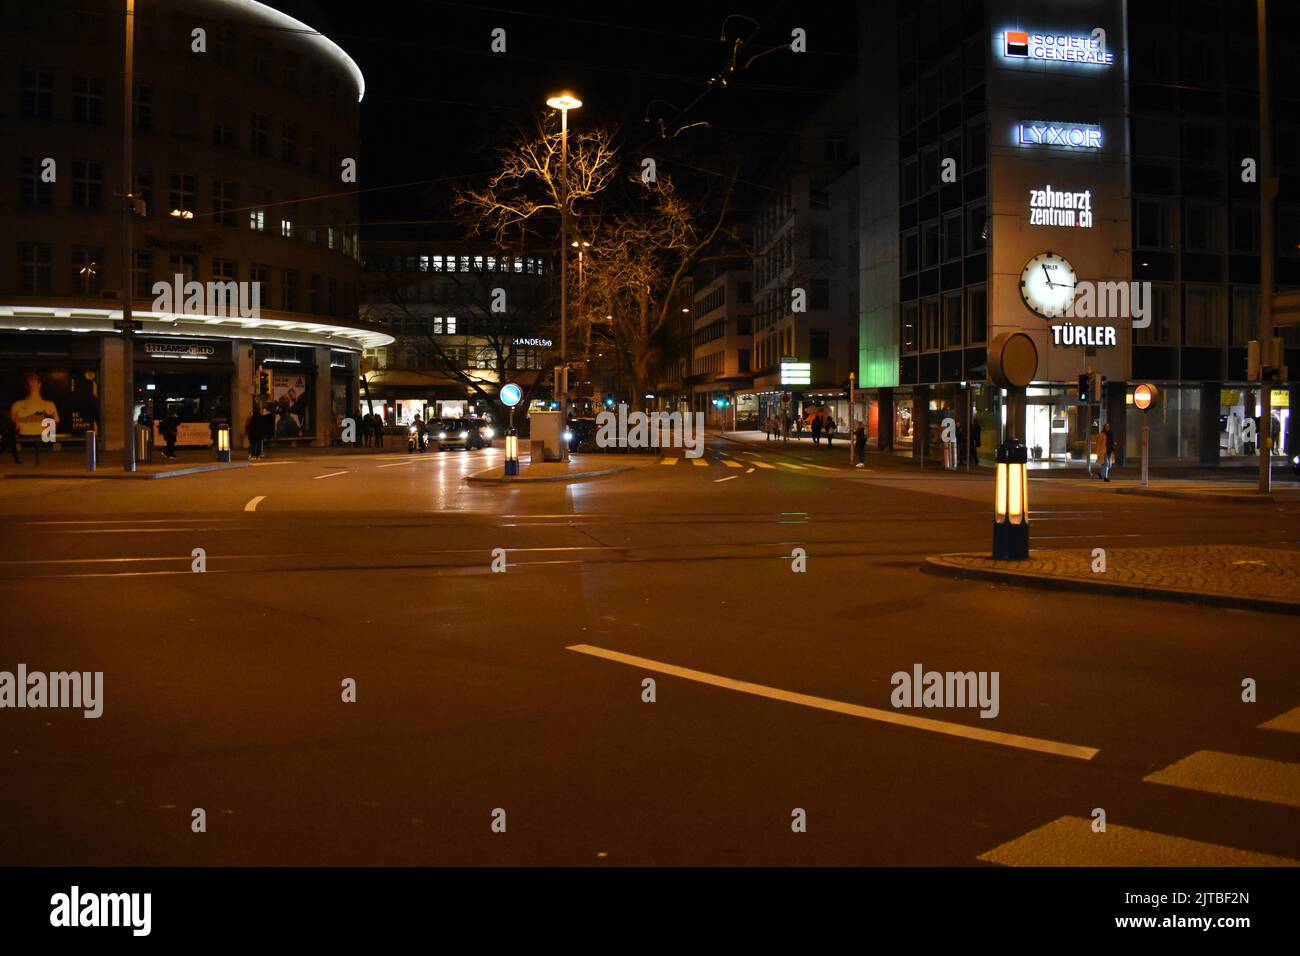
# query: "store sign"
(535, 343)
(178, 350)
(1085, 336)
(1057, 48)
(796, 373)
(1067, 135)
(1052, 207)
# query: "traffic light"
(264, 383)
(1085, 388)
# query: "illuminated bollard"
(512, 452)
(1011, 503)
(223, 442)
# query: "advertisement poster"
(69, 396)
(290, 395)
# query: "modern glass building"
(1081, 173)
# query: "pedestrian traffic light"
(264, 382)
(1085, 385)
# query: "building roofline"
(283, 21)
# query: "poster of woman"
(68, 396)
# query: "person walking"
(817, 429)
(9, 437)
(168, 428)
(975, 435)
(830, 430)
(860, 444)
(1105, 452)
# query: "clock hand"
(1048, 275)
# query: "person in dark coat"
(860, 444)
(817, 429)
(168, 428)
(9, 436)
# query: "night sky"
(438, 100)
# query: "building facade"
(1052, 161)
(465, 319)
(239, 190)
(722, 345)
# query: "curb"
(134, 476)
(1235, 497)
(520, 479)
(939, 566)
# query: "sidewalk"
(579, 467)
(71, 463)
(1257, 579)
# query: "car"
(581, 434)
(462, 433)
(486, 433)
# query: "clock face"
(1047, 284)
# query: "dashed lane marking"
(749, 471)
(1070, 841)
(254, 502)
(728, 478)
(762, 464)
(1290, 722)
(853, 710)
(332, 474)
(1232, 775)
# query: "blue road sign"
(511, 395)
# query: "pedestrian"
(379, 431)
(798, 427)
(816, 429)
(168, 428)
(1105, 452)
(253, 434)
(267, 429)
(860, 444)
(830, 430)
(975, 442)
(9, 437)
(421, 433)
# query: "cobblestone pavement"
(1229, 576)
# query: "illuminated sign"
(1144, 396)
(1070, 136)
(538, 343)
(1052, 207)
(1057, 48)
(796, 373)
(178, 350)
(1084, 336)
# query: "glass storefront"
(903, 424)
(1237, 404)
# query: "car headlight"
(1296, 460)
(442, 434)
(489, 433)
(464, 434)
(568, 436)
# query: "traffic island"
(1256, 579)
(575, 469)
(1238, 492)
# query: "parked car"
(581, 434)
(486, 433)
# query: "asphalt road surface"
(523, 690)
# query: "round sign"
(1013, 359)
(1144, 396)
(511, 395)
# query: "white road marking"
(853, 710)
(749, 471)
(332, 474)
(396, 463)
(762, 464)
(728, 478)
(1290, 722)
(790, 464)
(669, 461)
(1233, 775)
(699, 462)
(254, 502)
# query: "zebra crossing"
(748, 463)
(1073, 841)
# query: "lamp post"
(128, 210)
(1011, 503)
(1267, 192)
(564, 102)
(585, 326)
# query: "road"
(522, 690)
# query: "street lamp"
(564, 102)
(1011, 503)
(582, 248)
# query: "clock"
(1047, 284)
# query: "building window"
(33, 193)
(34, 267)
(223, 134)
(976, 315)
(226, 270)
(819, 196)
(289, 290)
(87, 184)
(1207, 317)
(952, 236)
(257, 219)
(1163, 327)
(185, 115)
(181, 195)
(819, 343)
(142, 274)
(819, 242)
(978, 229)
(907, 328)
(286, 228)
(1203, 225)
(1155, 219)
(227, 47)
(289, 144)
(259, 133)
(819, 295)
(1200, 144)
(313, 293)
(223, 202)
(952, 320)
(1245, 227)
(87, 99)
(977, 139)
(142, 108)
(911, 251)
(36, 96)
(929, 169)
(87, 270)
(931, 330)
(1245, 315)
(184, 265)
(262, 61)
(929, 245)
(260, 275)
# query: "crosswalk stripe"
(790, 464)
(669, 461)
(1290, 722)
(1232, 775)
(730, 463)
(699, 463)
(761, 464)
(1070, 841)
